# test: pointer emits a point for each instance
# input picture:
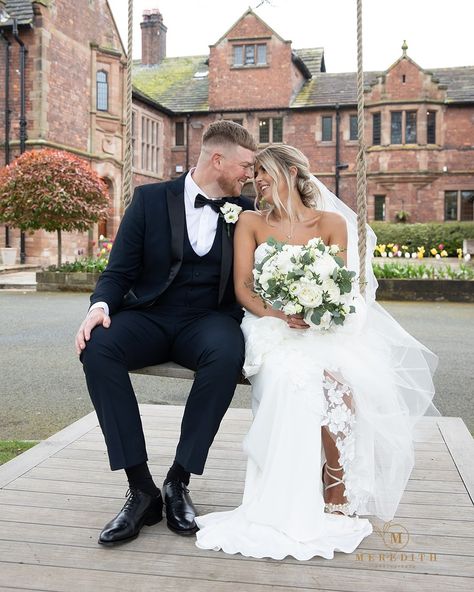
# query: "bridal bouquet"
(306, 279)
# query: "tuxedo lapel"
(227, 253)
(177, 220)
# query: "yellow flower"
(404, 248)
(459, 252)
(433, 251)
(444, 253)
(421, 252)
(390, 245)
(381, 248)
(395, 248)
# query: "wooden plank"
(219, 567)
(32, 457)
(173, 370)
(461, 446)
(218, 478)
(158, 539)
(53, 579)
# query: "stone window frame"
(404, 125)
(271, 129)
(150, 143)
(323, 119)
(458, 203)
(102, 86)
(378, 198)
(182, 124)
(243, 46)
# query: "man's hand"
(94, 318)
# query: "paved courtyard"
(42, 388)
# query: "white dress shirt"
(200, 222)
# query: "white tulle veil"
(412, 364)
(329, 202)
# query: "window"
(179, 133)
(459, 205)
(410, 127)
(326, 128)
(353, 128)
(396, 127)
(149, 144)
(102, 91)
(270, 130)
(467, 201)
(254, 54)
(238, 55)
(431, 127)
(376, 129)
(134, 140)
(379, 207)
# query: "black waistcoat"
(196, 285)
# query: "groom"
(167, 294)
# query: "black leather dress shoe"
(180, 511)
(139, 509)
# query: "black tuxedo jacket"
(148, 249)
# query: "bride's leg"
(336, 435)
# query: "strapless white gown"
(367, 382)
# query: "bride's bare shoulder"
(332, 219)
(250, 217)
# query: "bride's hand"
(296, 321)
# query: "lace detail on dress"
(339, 420)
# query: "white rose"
(314, 242)
(230, 212)
(291, 308)
(264, 279)
(283, 261)
(413, 255)
(332, 290)
(325, 320)
(309, 295)
(334, 249)
(407, 255)
(324, 266)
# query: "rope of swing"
(127, 162)
(361, 162)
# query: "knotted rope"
(127, 162)
(361, 163)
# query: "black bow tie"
(215, 204)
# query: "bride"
(334, 411)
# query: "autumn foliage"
(51, 190)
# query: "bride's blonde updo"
(277, 160)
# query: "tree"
(51, 190)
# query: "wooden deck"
(56, 497)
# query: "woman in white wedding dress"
(332, 435)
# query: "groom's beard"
(229, 187)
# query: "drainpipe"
(23, 122)
(7, 115)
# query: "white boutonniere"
(230, 213)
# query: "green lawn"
(11, 448)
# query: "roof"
(326, 89)
(458, 81)
(179, 84)
(22, 10)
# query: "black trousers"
(209, 342)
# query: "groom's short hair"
(228, 132)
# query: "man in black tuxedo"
(167, 294)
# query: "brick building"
(419, 124)
(74, 99)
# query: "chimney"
(153, 37)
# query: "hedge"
(429, 235)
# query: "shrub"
(429, 235)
